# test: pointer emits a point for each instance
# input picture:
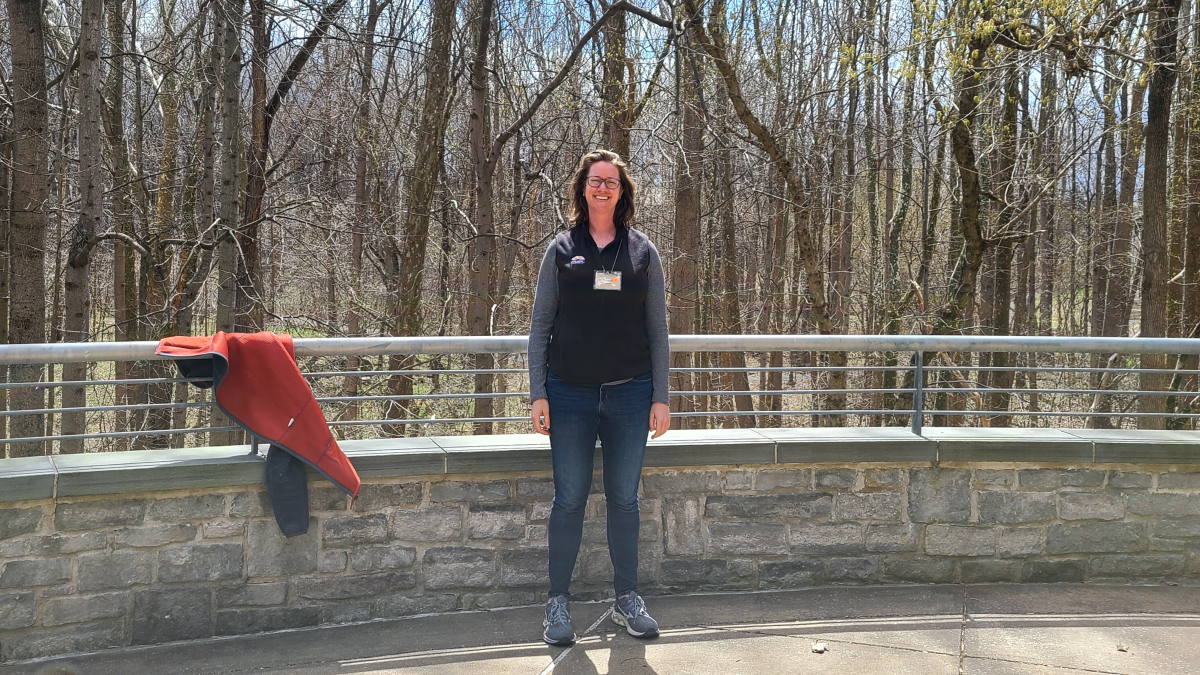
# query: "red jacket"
(257, 384)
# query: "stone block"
(360, 586)
(408, 605)
(540, 511)
(498, 599)
(524, 567)
(333, 561)
(1054, 571)
(1090, 506)
(790, 573)
(1122, 480)
(1178, 528)
(258, 620)
(868, 506)
(83, 637)
(252, 595)
(382, 558)
(536, 488)
(1163, 504)
(595, 567)
(1002, 506)
(1177, 480)
(1002, 477)
(12, 548)
(919, 569)
(354, 530)
(66, 544)
(436, 523)
(1119, 537)
(459, 567)
(270, 554)
(649, 530)
(120, 569)
(798, 505)
(40, 572)
(939, 495)
(200, 562)
(1049, 479)
(990, 571)
(836, 478)
(345, 612)
(356, 586)
(500, 521)
(822, 539)
(167, 615)
(694, 571)
(17, 610)
(329, 498)
(375, 496)
(94, 515)
(1020, 542)
(883, 478)
(748, 538)
(683, 526)
(674, 482)
(536, 534)
(898, 538)
(250, 505)
(462, 491)
(739, 480)
(769, 479)
(1137, 565)
(83, 608)
(151, 536)
(19, 521)
(223, 529)
(193, 507)
(959, 540)
(852, 569)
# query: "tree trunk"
(230, 204)
(684, 293)
(28, 222)
(1002, 297)
(1155, 272)
(431, 130)
(614, 134)
(76, 326)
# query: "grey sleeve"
(656, 328)
(545, 306)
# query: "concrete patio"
(978, 629)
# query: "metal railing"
(415, 386)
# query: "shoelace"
(633, 605)
(557, 612)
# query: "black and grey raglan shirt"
(589, 336)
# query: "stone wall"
(84, 573)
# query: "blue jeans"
(619, 415)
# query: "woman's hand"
(660, 419)
(541, 416)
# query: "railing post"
(918, 416)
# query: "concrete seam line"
(550, 668)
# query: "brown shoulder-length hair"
(623, 214)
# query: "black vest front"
(600, 335)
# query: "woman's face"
(601, 196)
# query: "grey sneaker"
(629, 611)
(557, 628)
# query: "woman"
(598, 361)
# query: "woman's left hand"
(660, 419)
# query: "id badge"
(607, 281)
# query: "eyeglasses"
(611, 183)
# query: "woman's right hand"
(541, 416)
